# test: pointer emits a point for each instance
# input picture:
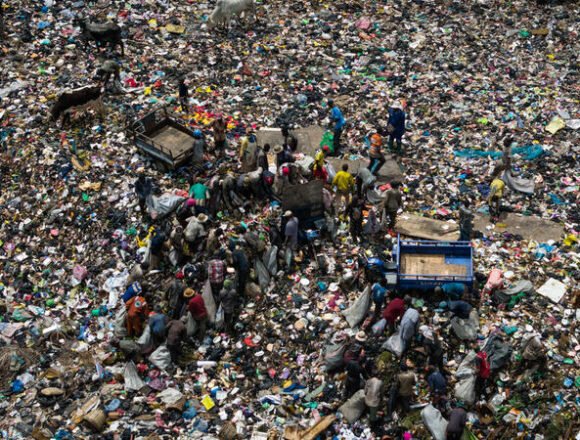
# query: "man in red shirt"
(198, 312)
(395, 309)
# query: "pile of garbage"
(306, 350)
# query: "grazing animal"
(101, 33)
(78, 99)
(225, 10)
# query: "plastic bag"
(191, 325)
(120, 329)
(394, 344)
(270, 260)
(498, 352)
(358, 310)
(330, 171)
(164, 204)
(467, 366)
(145, 338)
(465, 390)
(466, 329)
(161, 358)
(334, 352)
(434, 422)
(219, 318)
(354, 407)
(263, 274)
(379, 327)
(525, 186)
(209, 302)
(132, 380)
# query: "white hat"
(333, 287)
(288, 213)
(361, 337)
(397, 104)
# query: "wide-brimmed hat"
(188, 293)
(202, 218)
(288, 213)
(397, 104)
(361, 337)
(333, 287)
(278, 149)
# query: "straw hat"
(333, 287)
(202, 218)
(288, 213)
(188, 293)
(361, 337)
(278, 149)
(397, 104)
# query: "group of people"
(216, 265)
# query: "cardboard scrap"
(295, 433)
(553, 289)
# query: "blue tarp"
(528, 152)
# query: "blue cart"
(426, 264)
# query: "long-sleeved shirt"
(197, 308)
(460, 308)
(337, 117)
(395, 309)
(229, 299)
(393, 200)
(291, 232)
(176, 331)
(158, 323)
(457, 420)
(405, 383)
(437, 382)
(216, 271)
(397, 120)
(343, 181)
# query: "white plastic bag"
(219, 318)
(434, 422)
(161, 358)
(209, 302)
(354, 407)
(379, 327)
(191, 325)
(465, 390)
(145, 338)
(120, 329)
(394, 344)
(466, 329)
(358, 310)
(132, 380)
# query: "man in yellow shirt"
(495, 194)
(344, 183)
(318, 171)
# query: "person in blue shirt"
(437, 382)
(396, 126)
(158, 324)
(453, 291)
(462, 309)
(379, 292)
(339, 122)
